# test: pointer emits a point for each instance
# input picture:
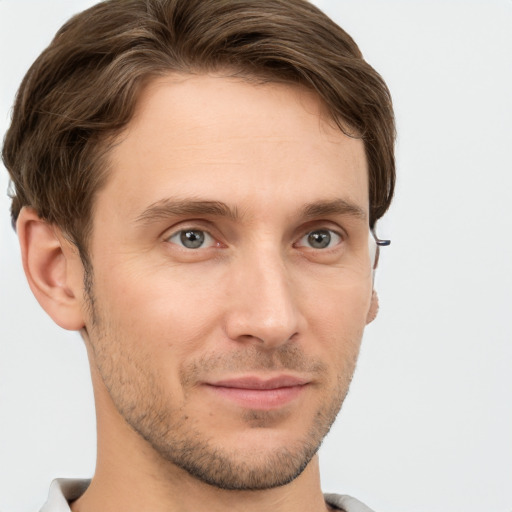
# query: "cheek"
(336, 319)
(339, 306)
(167, 311)
(132, 292)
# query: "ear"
(53, 268)
(374, 308)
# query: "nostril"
(269, 328)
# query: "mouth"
(253, 392)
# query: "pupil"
(192, 239)
(319, 239)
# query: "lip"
(254, 392)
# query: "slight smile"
(257, 393)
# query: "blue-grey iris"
(192, 239)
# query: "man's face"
(231, 276)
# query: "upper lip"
(253, 382)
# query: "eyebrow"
(169, 207)
(166, 208)
(334, 207)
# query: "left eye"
(320, 239)
(192, 239)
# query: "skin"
(255, 169)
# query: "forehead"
(218, 138)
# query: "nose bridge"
(263, 305)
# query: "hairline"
(103, 165)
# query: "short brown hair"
(83, 88)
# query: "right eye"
(192, 239)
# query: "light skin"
(231, 285)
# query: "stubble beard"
(178, 439)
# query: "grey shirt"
(65, 490)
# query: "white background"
(428, 423)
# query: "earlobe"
(53, 269)
(374, 308)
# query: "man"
(196, 190)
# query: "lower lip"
(259, 398)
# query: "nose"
(262, 304)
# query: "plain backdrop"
(427, 425)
